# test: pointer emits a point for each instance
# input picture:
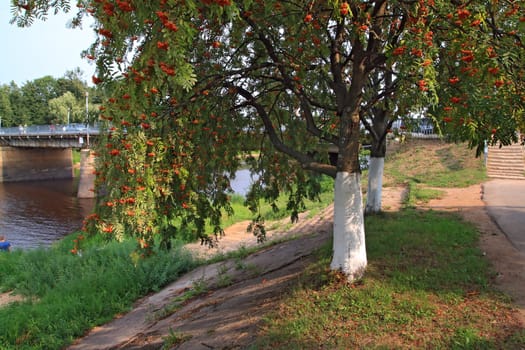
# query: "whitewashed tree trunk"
(375, 185)
(349, 250)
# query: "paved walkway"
(505, 202)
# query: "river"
(34, 214)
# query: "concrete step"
(506, 156)
(514, 149)
(513, 172)
(505, 176)
(510, 160)
(507, 162)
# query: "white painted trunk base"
(375, 185)
(349, 250)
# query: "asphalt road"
(505, 203)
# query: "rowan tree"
(481, 92)
(475, 80)
(197, 84)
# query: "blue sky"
(46, 48)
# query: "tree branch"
(306, 161)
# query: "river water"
(34, 214)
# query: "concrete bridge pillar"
(86, 183)
(31, 164)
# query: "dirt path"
(507, 261)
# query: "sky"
(46, 48)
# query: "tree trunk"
(349, 251)
(375, 185)
(377, 161)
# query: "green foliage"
(481, 96)
(47, 100)
(194, 85)
(215, 77)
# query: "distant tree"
(73, 82)
(66, 108)
(6, 112)
(46, 100)
(36, 95)
(20, 116)
(195, 83)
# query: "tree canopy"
(197, 85)
(46, 100)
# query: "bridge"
(49, 136)
(44, 152)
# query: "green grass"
(242, 213)
(435, 164)
(65, 294)
(419, 194)
(76, 163)
(427, 287)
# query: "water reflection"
(36, 214)
(243, 180)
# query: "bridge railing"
(52, 129)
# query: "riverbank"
(254, 298)
(75, 293)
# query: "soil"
(508, 263)
(236, 294)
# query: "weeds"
(224, 279)
(174, 339)
(76, 293)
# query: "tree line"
(48, 100)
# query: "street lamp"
(87, 118)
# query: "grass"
(76, 163)
(435, 164)
(174, 339)
(65, 295)
(419, 194)
(427, 287)
(242, 213)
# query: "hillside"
(433, 162)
